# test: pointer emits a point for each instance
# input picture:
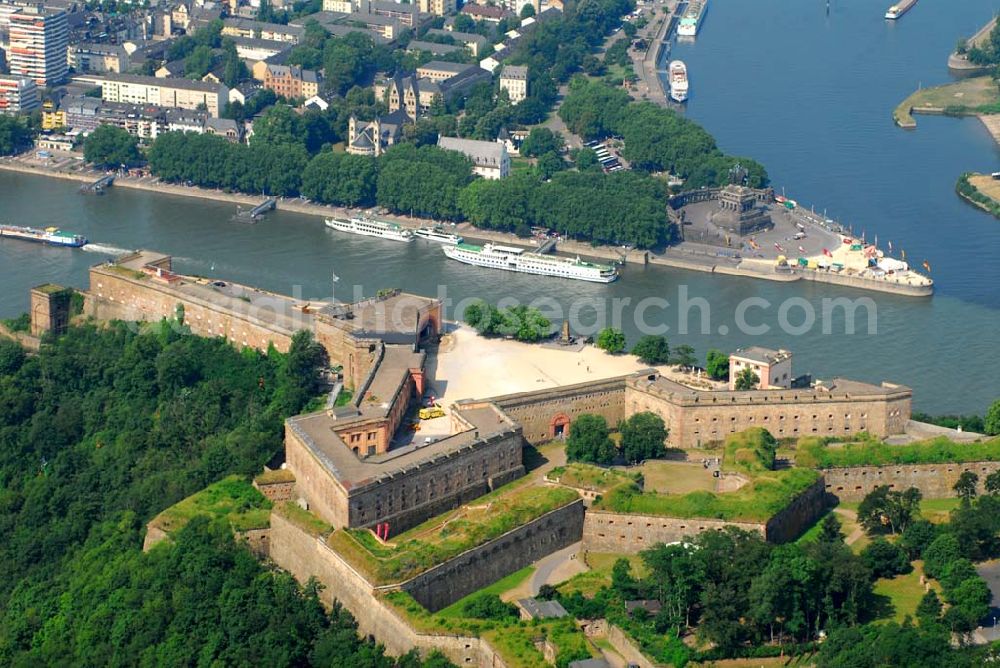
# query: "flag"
(927, 265)
(890, 246)
(903, 253)
(801, 249)
(827, 253)
(778, 246)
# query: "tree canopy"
(110, 146)
(99, 432)
(589, 440)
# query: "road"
(557, 567)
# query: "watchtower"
(50, 309)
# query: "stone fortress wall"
(479, 567)
(628, 533)
(305, 556)
(410, 495)
(122, 294)
(543, 413)
(935, 481)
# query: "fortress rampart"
(935, 481)
(605, 531)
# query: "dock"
(547, 247)
(253, 214)
(99, 186)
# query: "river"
(816, 111)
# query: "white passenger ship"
(691, 21)
(516, 259)
(438, 235)
(678, 81)
(371, 228)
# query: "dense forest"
(99, 432)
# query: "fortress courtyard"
(469, 366)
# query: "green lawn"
(304, 519)
(448, 535)
(766, 494)
(816, 454)
(589, 477)
(902, 593)
(499, 588)
(966, 96)
(668, 477)
(232, 498)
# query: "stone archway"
(559, 426)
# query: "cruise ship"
(50, 235)
(678, 75)
(371, 228)
(691, 21)
(516, 259)
(438, 235)
(899, 9)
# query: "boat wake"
(107, 250)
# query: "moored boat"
(678, 77)
(518, 260)
(51, 236)
(438, 235)
(370, 228)
(691, 20)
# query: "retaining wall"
(479, 567)
(605, 531)
(305, 556)
(935, 481)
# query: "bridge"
(253, 214)
(99, 186)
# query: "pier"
(253, 214)
(98, 187)
(546, 247)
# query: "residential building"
(339, 6)
(434, 48)
(439, 70)
(438, 7)
(52, 117)
(17, 95)
(291, 81)
(256, 50)
(172, 69)
(773, 368)
(489, 159)
(178, 93)
(490, 13)
(87, 57)
(373, 138)
(39, 39)
(514, 80)
(477, 44)
(416, 94)
(274, 32)
(84, 114)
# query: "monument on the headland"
(741, 210)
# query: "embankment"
(968, 190)
(672, 258)
(959, 64)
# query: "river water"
(808, 94)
